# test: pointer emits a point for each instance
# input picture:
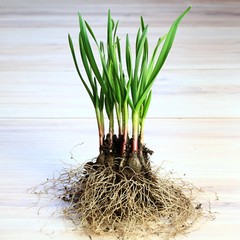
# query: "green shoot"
(115, 91)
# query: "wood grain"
(193, 124)
(176, 94)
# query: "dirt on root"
(113, 156)
(108, 196)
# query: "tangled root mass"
(110, 197)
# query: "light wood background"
(193, 124)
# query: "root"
(103, 200)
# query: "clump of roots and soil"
(111, 195)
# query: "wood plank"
(208, 37)
(176, 94)
(193, 125)
(196, 145)
(205, 13)
(46, 49)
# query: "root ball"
(103, 200)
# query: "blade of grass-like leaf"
(110, 91)
(144, 69)
(127, 95)
(107, 107)
(134, 87)
(142, 23)
(101, 52)
(128, 58)
(85, 63)
(109, 32)
(110, 36)
(143, 78)
(127, 98)
(118, 94)
(96, 98)
(162, 57)
(167, 44)
(154, 55)
(77, 68)
(113, 23)
(121, 80)
(146, 105)
(115, 30)
(145, 52)
(130, 103)
(111, 45)
(101, 100)
(112, 59)
(111, 86)
(137, 40)
(109, 82)
(105, 66)
(105, 72)
(115, 85)
(88, 50)
(119, 50)
(139, 50)
(91, 32)
(119, 58)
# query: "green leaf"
(85, 63)
(77, 68)
(154, 55)
(88, 50)
(128, 58)
(115, 30)
(134, 87)
(119, 53)
(146, 105)
(137, 40)
(112, 45)
(127, 98)
(143, 77)
(91, 32)
(96, 98)
(142, 23)
(101, 100)
(167, 44)
(162, 57)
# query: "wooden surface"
(193, 125)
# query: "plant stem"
(111, 128)
(124, 127)
(135, 131)
(100, 122)
(119, 119)
(141, 139)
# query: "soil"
(132, 162)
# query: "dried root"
(124, 203)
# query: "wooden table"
(193, 124)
